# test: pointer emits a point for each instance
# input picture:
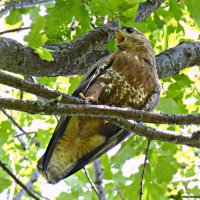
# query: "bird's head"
(130, 39)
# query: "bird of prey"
(125, 78)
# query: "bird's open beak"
(120, 36)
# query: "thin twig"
(91, 182)
(24, 145)
(21, 134)
(14, 30)
(36, 142)
(143, 170)
(3, 166)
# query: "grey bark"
(146, 8)
(72, 58)
(172, 61)
(29, 185)
(31, 107)
(98, 178)
(79, 55)
(12, 5)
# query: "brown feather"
(126, 78)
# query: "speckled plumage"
(126, 78)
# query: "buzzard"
(125, 78)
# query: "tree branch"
(156, 134)
(90, 181)
(144, 168)
(75, 57)
(50, 108)
(98, 178)
(11, 5)
(173, 60)
(14, 30)
(3, 166)
(146, 8)
(29, 185)
(118, 118)
(36, 142)
(36, 89)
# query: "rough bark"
(49, 108)
(79, 55)
(146, 8)
(37, 89)
(12, 5)
(138, 128)
(72, 58)
(173, 60)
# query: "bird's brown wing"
(118, 134)
(115, 136)
(97, 69)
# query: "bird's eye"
(130, 30)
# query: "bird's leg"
(152, 100)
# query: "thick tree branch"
(50, 108)
(75, 57)
(146, 8)
(155, 134)
(151, 133)
(30, 193)
(172, 61)
(12, 5)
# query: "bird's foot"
(89, 99)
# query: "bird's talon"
(81, 95)
(86, 101)
(91, 99)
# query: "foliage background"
(172, 170)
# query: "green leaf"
(194, 7)
(164, 164)
(5, 181)
(14, 17)
(167, 105)
(74, 81)
(112, 45)
(37, 38)
(48, 81)
(6, 132)
(34, 13)
(44, 53)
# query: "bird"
(125, 78)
